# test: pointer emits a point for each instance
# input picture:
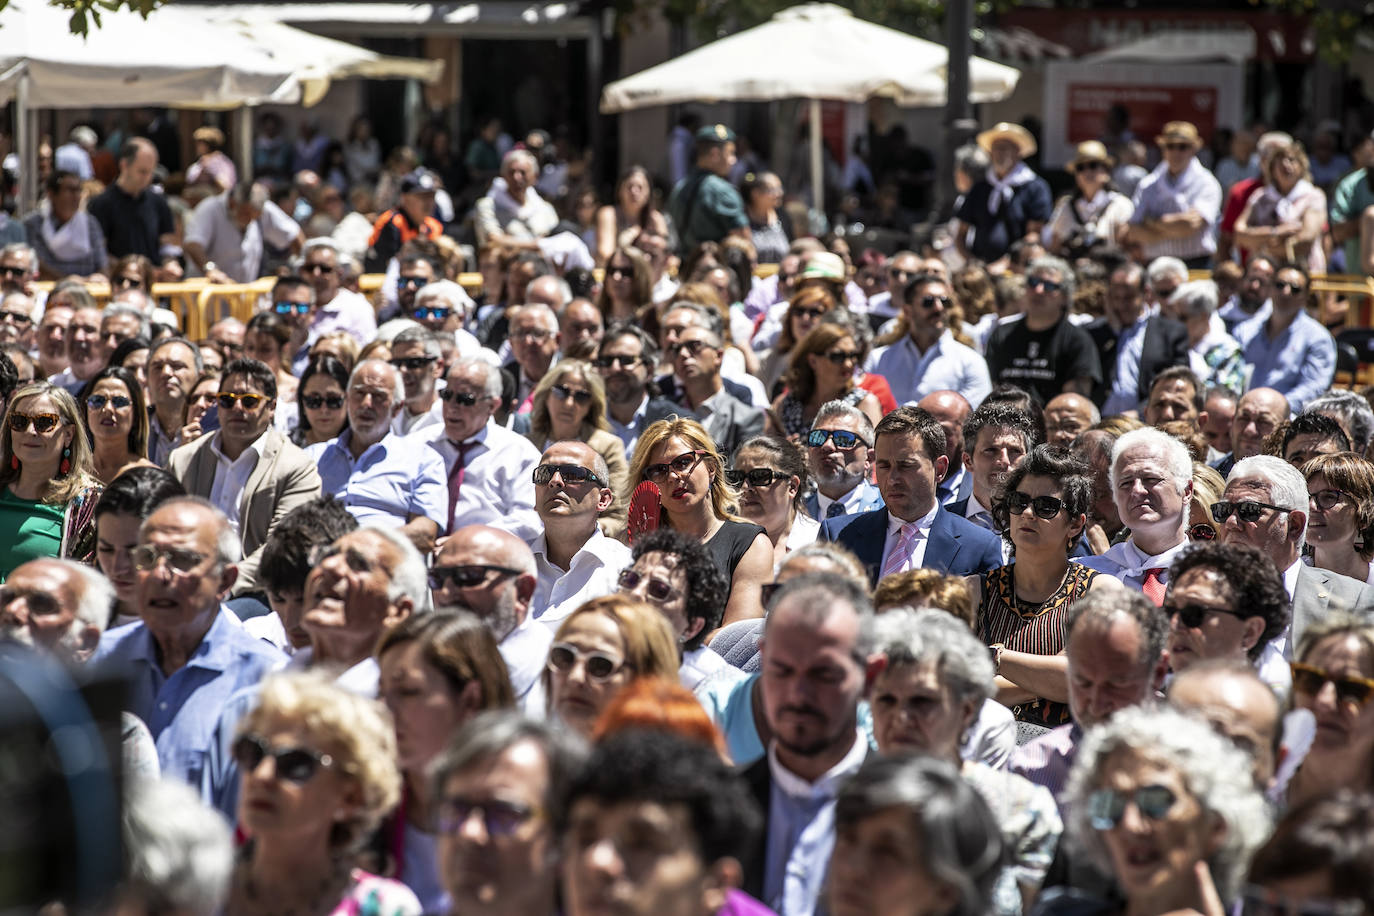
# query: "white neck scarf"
(1284, 206)
(1004, 188)
(72, 240)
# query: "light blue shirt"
(1161, 194)
(801, 832)
(947, 365)
(1299, 363)
(182, 710)
(394, 480)
(1130, 347)
(730, 705)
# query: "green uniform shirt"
(1348, 201)
(705, 208)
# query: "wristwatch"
(210, 267)
(997, 649)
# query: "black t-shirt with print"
(1042, 362)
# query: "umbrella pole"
(27, 147)
(817, 178)
(243, 140)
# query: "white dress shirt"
(406, 423)
(498, 482)
(525, 651)
(231, 477)
(1128, 563)
(918, 545)
(591, 574)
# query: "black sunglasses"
(929, 302)
(416, 282)
(609, 362)
(316, 401)
(758, 477)
(1191, 616)
(1046, 507)
(98, 401)
(808, 313)
(317, 268)
(620, 273)
(570, 473)
(294, 764)
(461, 398)
(1106, 807)
(843, 357)
(466, 576)
(1041, 283)
(1289, 289)
(657, 589)
(412, 362)
(693, 347)
(564, 657)
(563, 393)
(1247, 510)
(842, 438)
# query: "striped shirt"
(1160, 194)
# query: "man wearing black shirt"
(1044, 352)
(136, 220)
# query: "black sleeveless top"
(729, 545)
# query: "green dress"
(29, 530)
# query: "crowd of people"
(636, 578)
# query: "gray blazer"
(732, 422)
(1321, 593)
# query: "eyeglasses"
(610, 362)
(1202, 532)
(466, 576)
(843, 357)
(563, 658)
(808, 313)
(19, 318)
(416, 282)
(1247, 510)
(289, 308)
(1259, 901)
(316, 401)
(117, 401)
(228, 400)
(683, 464)
(693, 347)
(1046, 507)
(461, 398)
(1191, 616)
(1309, 681)
(929, 302)
(620, 273)
(181, 562)
(658, 590)
(1327, 499)
(532, 334)
(440, 314)
(41, 422)
(8, 272)
(898, 274)
(1107, 806)
(842, 438)
(563, 393)
(412, 362)
(1289, 289)
(1041, 283)
(570, 473)
(294, 764)
(499, 818)
(758, 477)
(317, 269)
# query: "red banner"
(1151, 107)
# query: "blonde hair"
(357, 732)
(64, 489)
(651, 648)
(541, 426)
(926, 588)
(1208, 485)
(724, 498)
(346, 347)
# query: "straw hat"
(1005, 130)
(1179, 132)
(1090, 151)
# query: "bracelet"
(997, 650)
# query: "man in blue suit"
(839, 455)
(913, 530)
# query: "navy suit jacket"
(956, 546)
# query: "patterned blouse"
(1030, 824)
(1035, 628)
(370, 895)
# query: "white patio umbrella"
(817, 51)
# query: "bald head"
(482, 544)
(546, 290)
(1067, 416)
(951, 409)
(1258, 412)
(499, 589)
(1238, 704)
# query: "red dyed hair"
(658, 704)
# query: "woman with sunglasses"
(771, 477)
(570, 404)
(1340, 521)
(627, 286)
(437, 671)
(1168, 807)
(1094, 212)
(696, 499)
(804, 313)
(317, 771)
(1208, 486)
(823, 369)
(339, 344)
(1333, 678)
(321, 402)
(1040, 509)
(132, 271)
(117, 422)
(48, 488)
(265, 340)
(599, 649)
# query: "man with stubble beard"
(626, 361)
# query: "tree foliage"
(1338, 26)
(86, 13)
(711, 19)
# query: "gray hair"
(818, 596)
(961, 841)
(18, 297)
(168, 341)
(420, 335)
(832, 409)
(21, 248)
(708, 318)
(97, 595)
(1166, 267)
(1059, 265)
(1351, 411)
(251, 193)
(228, 550)
(1287, 487)
(515, 154)
(1215, 771)
(492, 733)
(549, 316)
(1104, 606)
(398, 391)
(971, 160)
(447, 292)
(491, 384)
(1196, 297)
(180, 852)
(410, 578)
(121, 310)
(927, 636)
(1174, 452)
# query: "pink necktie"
(1153, 586)
(900, 558)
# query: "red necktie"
(455, 479)
(1153, 586)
